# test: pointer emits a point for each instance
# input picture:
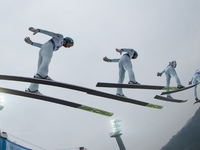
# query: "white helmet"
(197, 71)
(173, 63)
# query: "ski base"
(169, 99)
(134, 86)
(55, 100)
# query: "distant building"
(6, 144)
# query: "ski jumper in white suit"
(195, 79)
(45, 55)
(124, 64)
(171, 72)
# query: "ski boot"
(121, 95)
(40, 77)
(169, 96)
(33, 92)
(131, 82)
(180, 86)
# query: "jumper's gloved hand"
(106, 59)
(35, 31)
(28, 40)
(159, 74)
(190, 82)
(119, 50)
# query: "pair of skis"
(150, 87)
(90, 91)
(72, 87)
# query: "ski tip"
(100, 84)
(163, 93)
(97, 85)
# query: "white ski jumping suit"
(171, 72)
(45, 55)
(124, 64)
(196, 79)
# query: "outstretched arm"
(160, 73)
(190, 82)
(124, 50)
(35, 31)
(110, 60)
(28, 41)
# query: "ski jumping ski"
(79, 88)
(169, 99)
(179, 90)
(55, 100)
(134, 86)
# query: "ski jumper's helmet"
(69, 40)
(135, 54)
(197, 71)
(174, 64)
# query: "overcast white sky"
(161, 31)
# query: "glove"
(159, 74)
(28, 40)
(119, 51)
(190, 82)
(35, 31)
(106, 59)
